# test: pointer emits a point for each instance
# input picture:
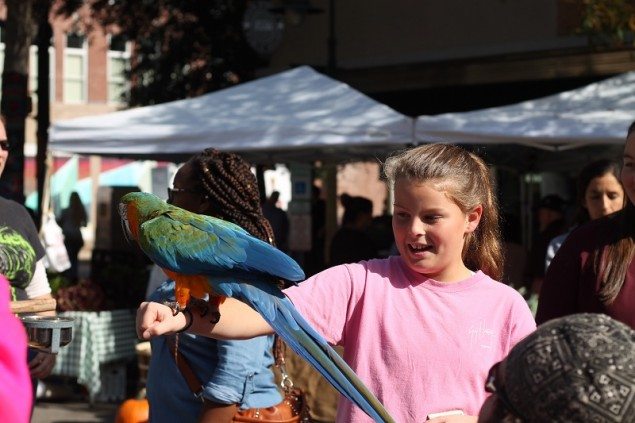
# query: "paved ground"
(61, 400)
(63, 412)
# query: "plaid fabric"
(98, 338)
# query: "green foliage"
(609, 22)
(182, 48)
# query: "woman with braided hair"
(232, 374)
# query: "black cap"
(552, 202)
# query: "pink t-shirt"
(420, 345)
(15, 381)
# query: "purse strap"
(184, 367)
(279, 351)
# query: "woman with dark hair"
(594, 270)
(72, 219)
(232, 374)
(599, 193)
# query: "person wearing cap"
(594, 269)
(578, 368)
(551, 223)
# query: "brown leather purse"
(292, 409)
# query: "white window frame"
(33, 49)
(69, 51)
(113, 54)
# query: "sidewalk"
(60, 400)
(63, 412)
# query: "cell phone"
(445, 413)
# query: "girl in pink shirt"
(421, 329)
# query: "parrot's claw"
(176, 308)
(215, 317)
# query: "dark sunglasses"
(172, 191)
(494, 388)
(4, 145)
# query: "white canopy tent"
(597, 114)
(299, 114)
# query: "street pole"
(330, 177)
(44, 35)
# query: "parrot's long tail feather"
(280, 313)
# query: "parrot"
(211, 256)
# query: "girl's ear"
(473, 218)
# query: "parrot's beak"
(123, 212)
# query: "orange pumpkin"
(133, 411)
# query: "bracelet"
(185, 312)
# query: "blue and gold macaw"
(203, 254)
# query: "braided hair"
(233, 191)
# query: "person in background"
(16, 396)
(18, 229)
(594, 271)
(380, 231)
(278, 219)
(599, 193)
(71, 220)
(314, 261)
(551, 223)
(233, 374)
(577, 368)
(514, 251)
(352, 243)
(421, 329)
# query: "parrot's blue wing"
(260, 256)
(283, 317)
(194, 244)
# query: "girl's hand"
(155, 319)
(454, 419)
(42, 365)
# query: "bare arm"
(237, 321)
(42, 364)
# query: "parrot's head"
(135, 208)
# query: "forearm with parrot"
(236, 265)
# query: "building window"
(75, 69)
(118, 63)
(75, 40)
(33, 73)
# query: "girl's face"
(604, 195)
(183, 194)
(628, 168)
(429, 230)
